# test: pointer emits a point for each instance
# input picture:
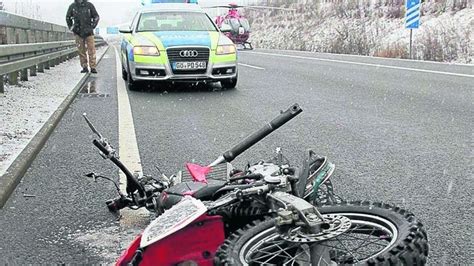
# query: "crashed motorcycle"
(270, 213)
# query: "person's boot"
(84, 70)
(93, 70)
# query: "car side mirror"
(226, 28)
(125, 30)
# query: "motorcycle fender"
(197, 243)
(128, 254)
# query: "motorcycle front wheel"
(380, 234)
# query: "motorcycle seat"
(198, 190)
(206, 192)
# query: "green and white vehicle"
(177, 43)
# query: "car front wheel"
(229, 83)
(131, 84)
(124, 74)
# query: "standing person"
(82, 18)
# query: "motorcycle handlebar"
(132, 184)
(248, 142)
(101, 147)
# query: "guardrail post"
(33, 71)
(30, 34)
(46, 65)
(3, 35)
(24, 74)
(13, 78)
(11, 36)
(22, 36)
(41, 68)
(37, 35)
(2, 89)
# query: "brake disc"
(338, 225)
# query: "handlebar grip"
(132, 183)
(117, 204)
(257, 136)
(100, 147)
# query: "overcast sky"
(112, 12)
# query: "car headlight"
(226, 49)
(145, 50)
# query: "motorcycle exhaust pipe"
(257, 136)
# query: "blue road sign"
(412, 17)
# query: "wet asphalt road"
(395, 135)
(66, 221)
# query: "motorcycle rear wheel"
(395, 234)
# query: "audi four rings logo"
(188, 53)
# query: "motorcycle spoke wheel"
(275, 250)
(379, 234)
(367, 237)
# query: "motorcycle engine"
(265, 169)
(272, 174)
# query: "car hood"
(167, 39)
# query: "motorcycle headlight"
(226, 49)
(146, 50)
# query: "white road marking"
(450, 187)
(254, 67)
(366, 64)
(128, 146)
(376, 57)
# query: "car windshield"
(175, 21)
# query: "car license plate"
(190, 65)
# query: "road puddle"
(91, 90)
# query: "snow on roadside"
(25, 108)
(352, 27)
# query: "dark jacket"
(82, 18)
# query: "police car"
(177, 43)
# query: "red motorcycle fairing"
(128, 254)
(197, 242)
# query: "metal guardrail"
(18, 29)
(32, 46)
(20, 58)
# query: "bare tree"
(27, 8)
